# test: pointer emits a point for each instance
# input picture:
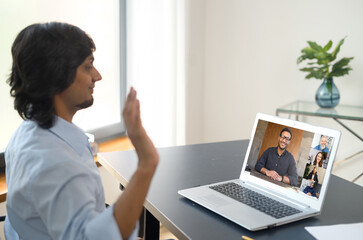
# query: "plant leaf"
(317, 73)
(300, 59)
(337, 49)
(329, 86)
(323, 58)
(310, 69)
(322, 66)
(315, 46)
(340, 72)
(328, 46)
(307, 53)
(341, 63)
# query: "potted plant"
(322, 65)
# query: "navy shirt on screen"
(284, 165)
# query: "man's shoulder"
(271, 149)
(289, 155)
(33, 145)
(30, 136)
(27, 133)
(34, 152)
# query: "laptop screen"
(294, 155)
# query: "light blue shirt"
(54, 186)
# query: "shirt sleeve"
(105, 219)
(262, 161)
(66, 198)
(292, 172)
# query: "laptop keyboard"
(255, 200)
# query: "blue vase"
(327, 95)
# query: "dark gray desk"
(187, 166)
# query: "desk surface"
(187, 166)
(312, 109)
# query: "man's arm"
(291, 172)
(261, 167)
(128, 207)
(285, 179)
(261, 163)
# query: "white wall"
(241, 58)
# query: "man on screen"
(322, 146)
(277, 163)
(309, 190)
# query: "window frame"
(117, 129)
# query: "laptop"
(284, 176)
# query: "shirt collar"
(283, 153)
(71, 134)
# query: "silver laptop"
(284, 177)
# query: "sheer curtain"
(155, 66)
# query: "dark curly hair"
(45, 60)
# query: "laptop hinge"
(269, 192)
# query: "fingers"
(131, 97)
(273, 175)
(144, 147)
(132, 106)
(131, 115)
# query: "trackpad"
(215, 200)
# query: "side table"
(346, 112)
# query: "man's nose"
(97, 76)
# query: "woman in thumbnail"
(319, 159)
(313, 176)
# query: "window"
(102, 21)
(156, 66)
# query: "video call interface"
(285, 152)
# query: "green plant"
(322, 65)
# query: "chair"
(2, 171)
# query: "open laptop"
(256, 201)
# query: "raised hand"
(128, 207)
(136, 132)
